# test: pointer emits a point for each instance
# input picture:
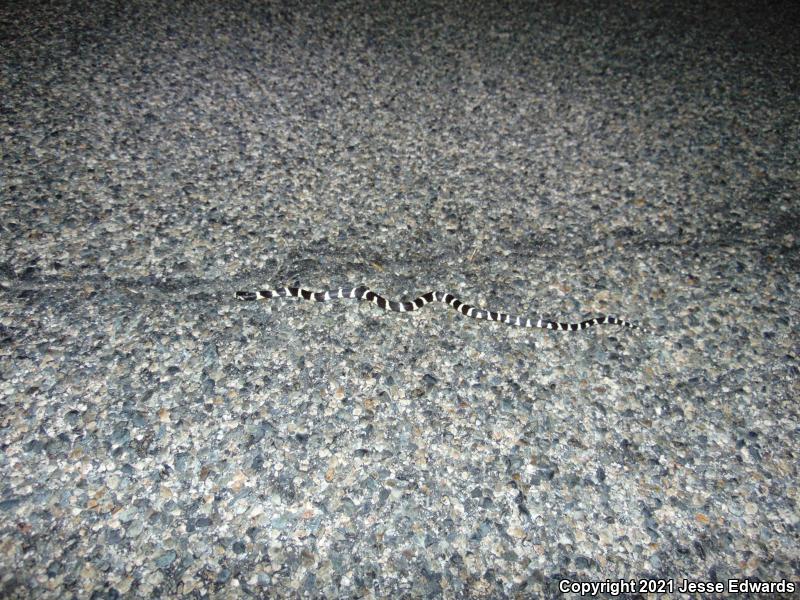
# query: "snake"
(365, 294)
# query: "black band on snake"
(364, 293)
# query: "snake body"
(364, 293)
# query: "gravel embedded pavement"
(564, 159)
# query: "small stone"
(166, 559)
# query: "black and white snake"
(364, 293)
